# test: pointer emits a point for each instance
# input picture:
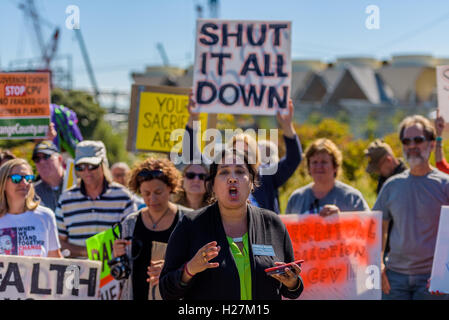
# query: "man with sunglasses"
(49, 165)
(95, 204)
(412, 201)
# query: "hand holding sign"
(193, 116)
(154, 271)
(286, 120)
(439, 124)
(329, 209)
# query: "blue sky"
(121, 36)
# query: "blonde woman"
(26, 228)
(325, 195)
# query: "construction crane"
(48, 51)
(160, 48)
(90, 70)
(213, 8)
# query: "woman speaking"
(221, 251)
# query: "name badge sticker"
(263, 250)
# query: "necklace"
(159, 220)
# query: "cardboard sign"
(158, 250)
(99, 247)
(439, 280)
(158, 118)
(38, 278)
(24, 105)
(242, 67)
(341, 253)
(443, 91)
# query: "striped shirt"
(79, 217)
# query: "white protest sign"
(443, 91)
(39, 278)
(440, 269)
(242, 67)
(341, 253)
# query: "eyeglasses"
(17, 178)
(146, 174)
(37, 159)
(192, 175)
(416, 140)
(82, 166)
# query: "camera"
(120, 268)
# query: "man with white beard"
(412, 201)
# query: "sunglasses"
(192, 175)
(44, 157)
(82, 166)
(146, 174)
(17, 178)
(416, 140)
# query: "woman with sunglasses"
(26, 228)
(221, 252)
(193, 193)
(154, 180)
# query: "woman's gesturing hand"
(200, 260)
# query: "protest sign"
(443, 91)
(38, 278)
(158, 117)
(242, 67)
(24, 105)
(439, 280)
(341, 253)
(157, 253)
(99, 247)
(69, 175)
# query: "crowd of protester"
(209, 213)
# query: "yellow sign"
(162, 118)
(69, 175)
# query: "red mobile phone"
(281, 269)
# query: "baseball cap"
(91, 152)
(375, 152)
(45, 147)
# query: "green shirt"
(243, 266)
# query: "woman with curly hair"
(154, 180)
(193, 193)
